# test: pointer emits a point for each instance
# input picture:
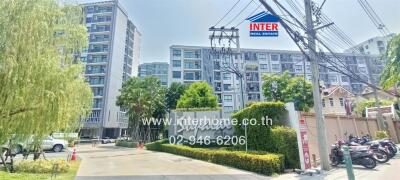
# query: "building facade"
(193, 63)
(111, 57)
(157, 69)
(375, 46)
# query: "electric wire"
(227, 13)
(240, 12)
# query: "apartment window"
(341, 101)
(97, 91)
(188, 76)
(97, 103)
(275, 67)
(217, 75)
(298, 68)
(227, 76)
(176, 63)
(192, 54)
(331, 103)
(228, 98)
(332, 78)
(308, 67)
(176, 53)
(323, 102)
(228, 108)
(227, 87)
(264, 66)
(176, 74)
(345, 79)
(362, 69)
(262, 56)
(274, 57)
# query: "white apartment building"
(375, 45)
(111, 58)
(194, 63)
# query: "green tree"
(174, 92)
(198, 95)
(142, 98)
(391, 72)
(286, 88)
(360, 107)
(43, 88)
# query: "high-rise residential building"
(157, 69)
(375, 46)
(111, 57)
(194, 63)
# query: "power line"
(249, 15)
(227, 13)
(252, 1)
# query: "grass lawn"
(70, 175)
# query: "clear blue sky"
(185, 22)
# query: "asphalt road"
(107, 162)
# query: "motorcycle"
(360, 155)
(380, 153)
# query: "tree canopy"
(43, 88)
(391, 72)
(174, 92)
(286, 88)
(142, 98)
(198, 95)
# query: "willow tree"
(42, 85)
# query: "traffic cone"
(73, 157)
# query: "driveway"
(110, 162)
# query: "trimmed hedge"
(275, 138)
(284, 141)
(255, 161)
(43, 166)
(124, 143)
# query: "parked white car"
(57, 145)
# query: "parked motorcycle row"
(364, 151)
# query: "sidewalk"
(388, 170)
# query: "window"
(228, 98)
(176, 63)
(275, 67)
(176, 53)
(298, 68)
(262, 56)
(227, 87)
(97, 103)
(192, 54)
(274, 57)
(331, 103)
(228, 108)
(227, 76)
(264, 66)
(345, 79)
(97, 91)
(217, 75)
(308, 67)
(341, 102)
(188, 76)
(332, 78)
(176, 74)
(323, 102)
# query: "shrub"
(43, 166)
(381, 134)
(284, 141)
(125, 143)
(255, 161)
(259, 136)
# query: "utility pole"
(322, 140)
(222, 39)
